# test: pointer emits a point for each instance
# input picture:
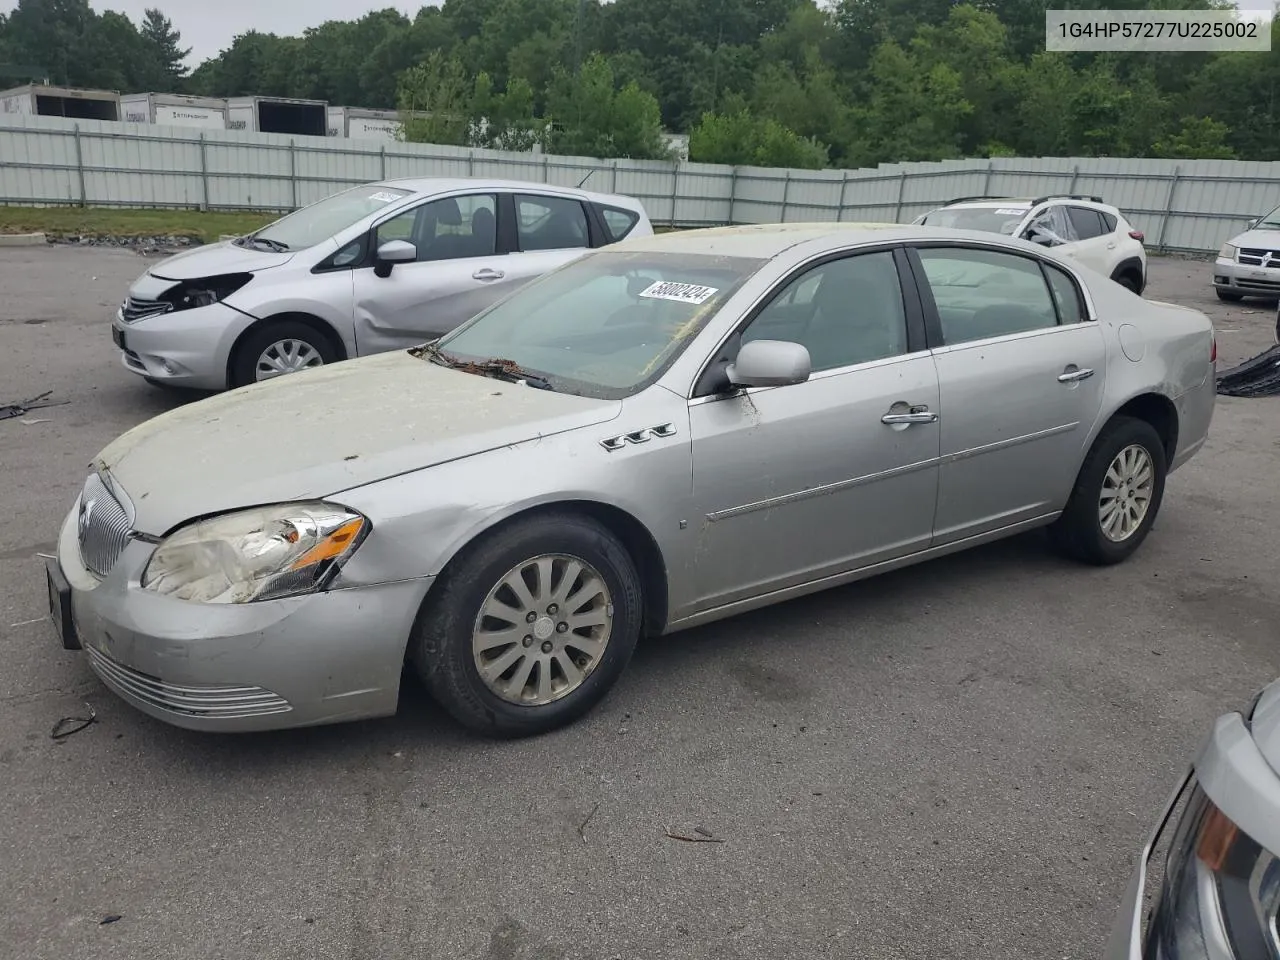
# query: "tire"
(442, 650)
(1079, 532)
(1228, 297)
(1130, 282)
(310, 343)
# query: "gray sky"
(208, 26)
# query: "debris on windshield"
(430, 351)
(11, 410)
(495, 367)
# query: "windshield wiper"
(495, 367)
(274, 245)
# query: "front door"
(460, 270)
(1021, 369)
(801, 482)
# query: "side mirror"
(769, 363)
(391, 253)
(1252, 223)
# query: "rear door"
(1021, 371)
(549, 232)
(1096, 245)
(460, 269)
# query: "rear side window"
(1066, 295)
(1088, 223)
(1108, 221)
(618, 222)
(981, 294)
(551, 223)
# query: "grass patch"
(113, 222)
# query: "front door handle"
(1073, 376)
(487, 273)
(917, 415)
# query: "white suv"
(1095, 233)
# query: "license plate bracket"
(60, 606)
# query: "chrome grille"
(220, 702)
(103, 526)
(1253, 256)
(135, 309)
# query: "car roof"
(993, 202)
(764, 241)
(431, 185)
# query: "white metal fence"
(1181, 205)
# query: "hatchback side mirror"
(769, 363)
(391, 253)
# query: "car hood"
(216, 259)
(1268, 239)
(1266, 725)
(316, 433)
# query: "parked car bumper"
(1246, 280)
(300, 661)
(187, 349)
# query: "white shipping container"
(308, 118)
(41, 100)
(361, 124)
(242, 116)
(23, 103)
(174, 110)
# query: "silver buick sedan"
(664, 432)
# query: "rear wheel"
(1117, 494)
(530, 628)
(278, 348)
(1227, 297)
(1130, 281)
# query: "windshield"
(320, 221)
(988, 219)
(606, 325)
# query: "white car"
(374, 268)
(1248, 265)
(1084, 228)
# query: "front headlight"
(261, 554)
(1221, 892)
(1228, 252)
(190, 294)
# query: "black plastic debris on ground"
(10, 410)
(1257, 377)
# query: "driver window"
(1050, 227)
(844, 312)
(448, 229)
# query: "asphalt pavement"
(960, 759)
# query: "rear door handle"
(487, 273)
(917, 415)
(1072, 376)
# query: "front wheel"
(278, 348)
(531, 627)
(1227, 297)
(1117, 494)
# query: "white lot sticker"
(1011, 211)
(384, 197)
(680, 292)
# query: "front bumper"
(190, 348)
(1246, 280)
(301, 661)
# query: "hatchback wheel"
(1117, 494)
(273, 350)
(1131, 282)
(531, 627)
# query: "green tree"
(741, 138)
(592, 118)
(1196, 138)
(503, 121)
(434, 100)
(164, 50)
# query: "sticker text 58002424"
(680, 292)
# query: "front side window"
(844, 312)
(607, 324)
(550, 223)
(985, 293)
(451, 228)
(318, 222)
(1051, 227)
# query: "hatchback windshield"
(606, 325)
(320, 221)
(988, 219)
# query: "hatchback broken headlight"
(260, 554)
(190, 294)
(1221, 892)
